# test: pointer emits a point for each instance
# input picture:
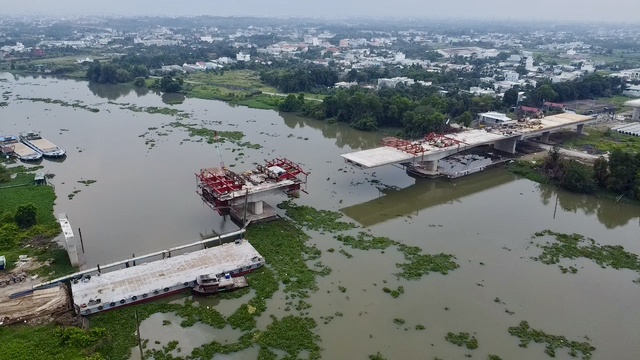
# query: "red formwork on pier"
(220, 187)
(440, 140)
(407, 146)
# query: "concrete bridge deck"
(504, 138)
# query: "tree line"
(620, 174)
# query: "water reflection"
(172, 98)
(344, 135)
(421, 195)
(608, 212)
(115, 91)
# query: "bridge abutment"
(580, 129)
(636, 114)
(545, 136)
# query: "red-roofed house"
(554, 105)
(531, 111)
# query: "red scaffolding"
(407, 146)
(218, 188)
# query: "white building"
(511, 76)
(344, 84)
(399, 57)
(632, 90)
(495, 118)
(393, 82)
(243, 57)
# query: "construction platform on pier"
(145, 281)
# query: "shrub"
(25, 216)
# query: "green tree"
(577, 177)
(291, 103)
(546, 92)
(601, 171)
(25, 216)
(465, 119)
(139, 82)
(510, 97)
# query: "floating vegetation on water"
(87, 182)
(377, 356)
(420, 327)
(293, 335)
(566, 270)
(284, 248)
(366, 241)
(76, 104)
(423, 264)
(265, 285)
(399, 321)
(577, 246)
(342, 289)
(180, 114)
(394, 293)
(210, 135)
(166, 322)
(526, 334)
(73, 193)
(494, 357)
(345, 253)
(418, 264)
(310, 218)
(462, 339)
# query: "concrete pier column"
(579, 129)
(256, 207)
(431, 165)
(506, 145)
(545, 136)
(636, 114)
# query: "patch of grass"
(312, 219)
(44, 343)
(234, 79)
(528, 170)
(573, 246)
(462, 339)
(553, 342)
(284, 248)
(604, 141)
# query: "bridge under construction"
(424, 154)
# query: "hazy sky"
(558, 10)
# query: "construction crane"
(217, 139)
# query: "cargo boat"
(33, 140)
(11, 146)
(152, 280)
(210, 284)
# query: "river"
(145, 200)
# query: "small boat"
(11, 146)
(33, 140)
(212, 284)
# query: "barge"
(33, 140)
(11, 146)
(152, 280)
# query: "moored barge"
(33, 140)
(11, 146)
(152, 280)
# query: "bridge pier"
(545, 136)
(431, 165)
(636, 114)
(506, 145)
(580, 129)
(256, 211)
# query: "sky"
(556, 10)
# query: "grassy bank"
(33, 240)
(601, 141)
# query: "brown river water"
(144, 200)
